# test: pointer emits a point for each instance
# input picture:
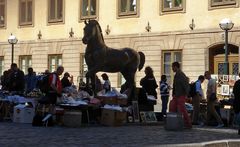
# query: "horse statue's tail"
(142, 60)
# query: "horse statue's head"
(92, 30)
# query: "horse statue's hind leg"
(90, 82)
(130, 85)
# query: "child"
(164, 91)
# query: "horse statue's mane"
(99, 57)
(94, 22)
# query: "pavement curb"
(219, 143)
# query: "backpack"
(43, 83)
(192, 91)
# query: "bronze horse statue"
(100, 57)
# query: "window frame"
(172, 52)
(27, 58)
(128, 14)
(5, 14)
(82, 18)
(55, 20)
(172, 10)
(222, 5)
(26, 23)
(57, 57)
(83, 65)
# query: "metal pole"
(226, 69)
(12, 52)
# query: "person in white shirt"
(164, 91)
(211, 98)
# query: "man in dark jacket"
(236, 92)
(16, 79)
(236, 102)
(180, 92)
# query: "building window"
(83, 66)
(83, 69)
(2, 13)
(214, 4)
(172, 6)
(55, 11)
(88, 9)
(54, 61)
(168, 58)
(235, 68)
(1, 65)
(25, 12)
(24, 63)
(220, 68)
(222, 2)
(121, 80)
(128, 8)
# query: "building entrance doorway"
(216, 59)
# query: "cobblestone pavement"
(24, 135)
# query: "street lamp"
(12, 40)
(226, 25)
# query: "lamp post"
(226, 25)
(12, 40)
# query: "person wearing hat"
(67, 80)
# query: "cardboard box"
(72, 118)
(122, 101)
(108, 100)
(23, 114)
(113, 117)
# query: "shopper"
(164, 91)
(30, 80)
(211, 99)
(196, 100)
(16, 79)
(98, 84)
(106, 83)
(149, 83)
(5, 80)
(67, 80)
(236, 102)
(55, 89)
(180, 92)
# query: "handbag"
(212, 97)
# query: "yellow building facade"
(49, 33)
